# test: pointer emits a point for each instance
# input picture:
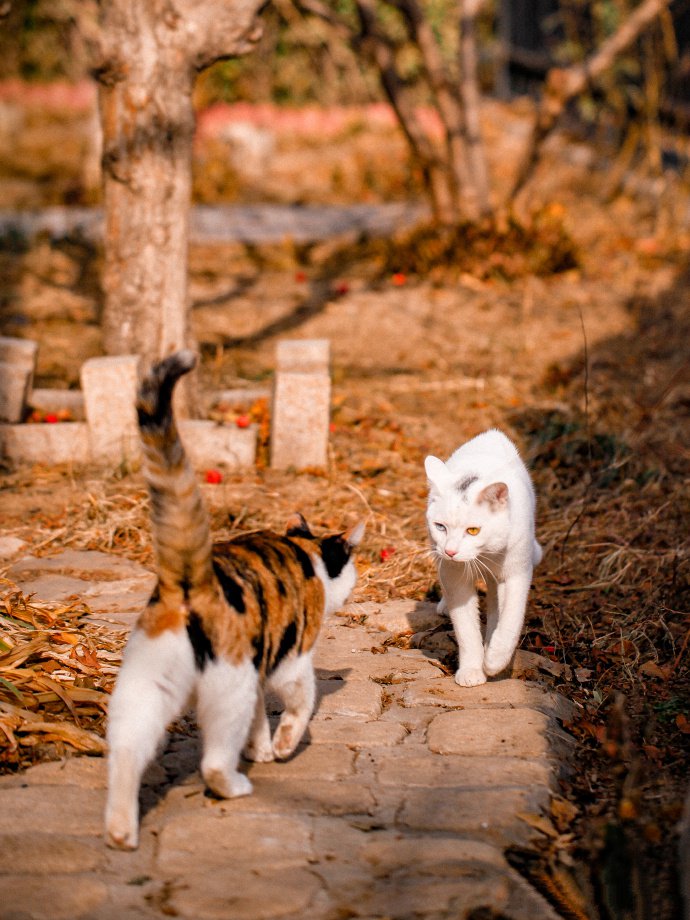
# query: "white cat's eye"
(441, 527)
(473, 531)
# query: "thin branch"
(565, 84)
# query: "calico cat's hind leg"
(259, 748)
(295, 684)
(153, 687)
(226, 701)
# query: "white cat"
(481, 521)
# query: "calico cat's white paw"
(121, 832)
(496, 660)
(227, 785)
(470, 677)
(285, 739)
(258, 753)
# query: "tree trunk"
(150, 53)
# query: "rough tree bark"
(149, 53)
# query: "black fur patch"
(231, 588)
(335, 554)
(258, 645)
(304, 561)
(201, 644)
(287, 643)
(465, 483)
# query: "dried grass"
(56, 670)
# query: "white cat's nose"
(450, 551)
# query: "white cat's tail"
(181, 530)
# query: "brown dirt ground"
(587, 370)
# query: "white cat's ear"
(495, 495)
(437, 474)
(355, 533)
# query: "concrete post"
(301, 404)
(110, 388)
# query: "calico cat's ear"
(437, 474)
(297, 526)
(496, 495)
(354, 534)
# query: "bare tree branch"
(565, 84)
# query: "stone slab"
(210, 838)
(508, 733)
(52, 897)
(63, 442)
(35, 853)
(15, 386)
(72, 812)
(355, 734)
(114, 588)
(361, 699)
(212, 444)
(411, 765)
(50, 400)
(241, 895)
(10, 546)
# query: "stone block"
(15, 385)
(210, 444)
(301, 405)
(209, 839)
(48, 400)
(491, 733)
(52, 897)
(17, 365)
(75, 811)
(110, 386)
(359, 699)
(65, 442)
(259, 895)
(21, 352)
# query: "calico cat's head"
(332, 556)
(466, 517)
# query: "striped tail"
(181, 532)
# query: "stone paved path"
(400, 805)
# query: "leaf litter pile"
(608, 622)
(55, 676)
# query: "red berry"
(342, 287)
(387, 552)
(243, 421)
(300, 277)
(214, 476)
(50, 417)
(399, 279)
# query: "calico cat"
(481, 519)
(224, 621)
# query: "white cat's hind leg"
(153, 687)
(226, 701)
(294, 682)
(259, 748)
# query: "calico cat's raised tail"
(224, 620)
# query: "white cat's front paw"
(496, 660)
(470, 677)
(442, 606)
